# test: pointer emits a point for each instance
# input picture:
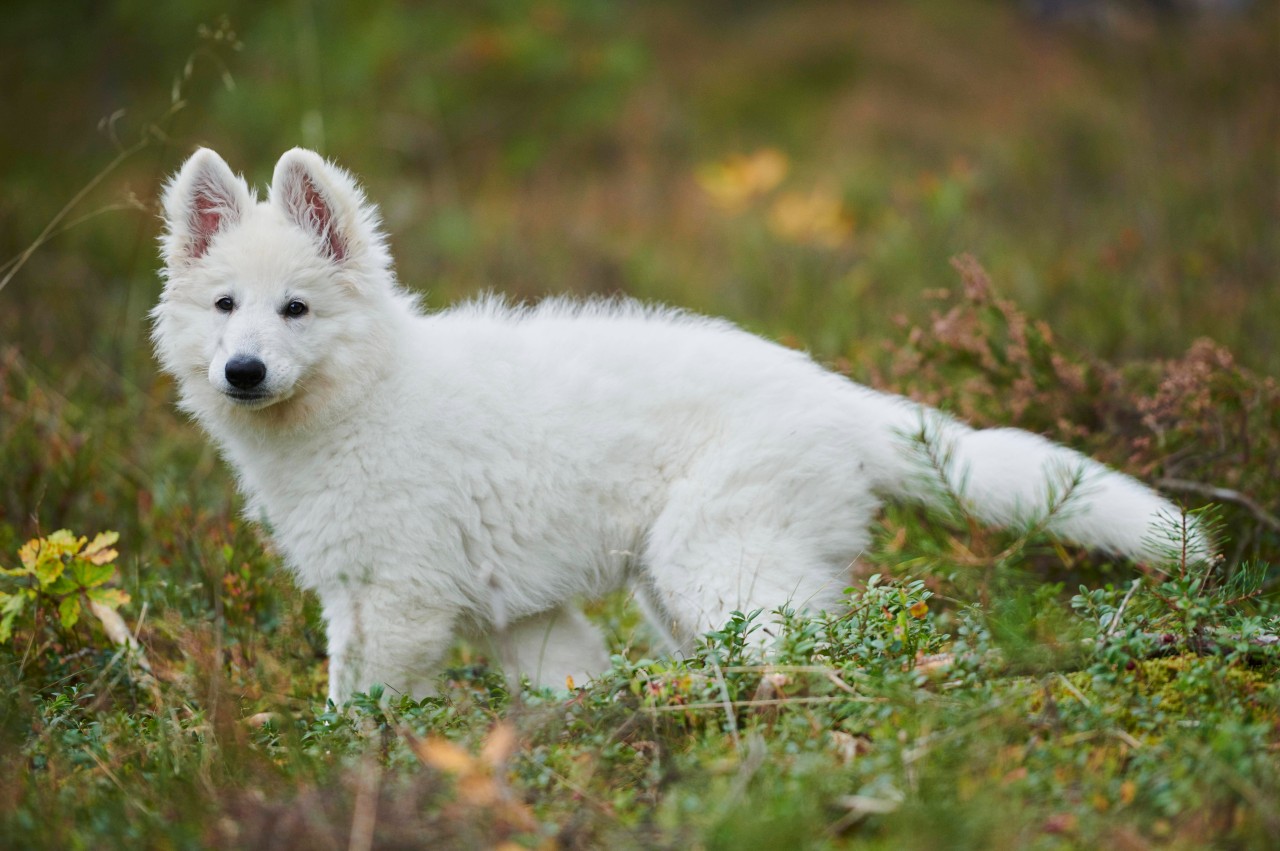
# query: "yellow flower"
(817, 218)
(733, 182)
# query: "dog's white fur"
(475, 470)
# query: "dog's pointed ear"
(203, 199)
(322, 199)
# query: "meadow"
(1062, 222)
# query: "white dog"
(474, 471)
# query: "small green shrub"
(62, 573)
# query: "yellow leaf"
(919, 609)
(763, 170)
(477, 789)
(1128, 791)
(499, 745)
(63, 542)
(476, 785)
(29, 552)
(446, 756)
(99, 551)
(112, 598)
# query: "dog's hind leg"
(699, 583)
(782, 532)
(553, 648)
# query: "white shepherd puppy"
(473, 471)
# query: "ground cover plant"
(1067, 225)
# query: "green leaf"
(90, 575)
(48, 570)
(14, 603)
(6, 626)
(69, 611)
(63, 585)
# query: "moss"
(1187, 688)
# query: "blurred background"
(804, 168)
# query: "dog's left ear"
(320, 198)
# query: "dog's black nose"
(245, 372)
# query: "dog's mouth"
(249, 398)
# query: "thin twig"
(16, 264)
(728, 707)
(757, 751)
(111, 775)
(775, 701)
(835, 680)
(1218, 494)
(778, 669)
(1071, 687)
(365, 817)
(1117, 733)
(1115, 619)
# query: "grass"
(809, 170)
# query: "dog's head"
(272, 306)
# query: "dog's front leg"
(384, 636)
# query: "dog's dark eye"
(295, 308)
(225, 304)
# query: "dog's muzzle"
(245, 373)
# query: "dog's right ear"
(203, 199)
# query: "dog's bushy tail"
(1012, 478)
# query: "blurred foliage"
(535, 147)
(807, 169)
